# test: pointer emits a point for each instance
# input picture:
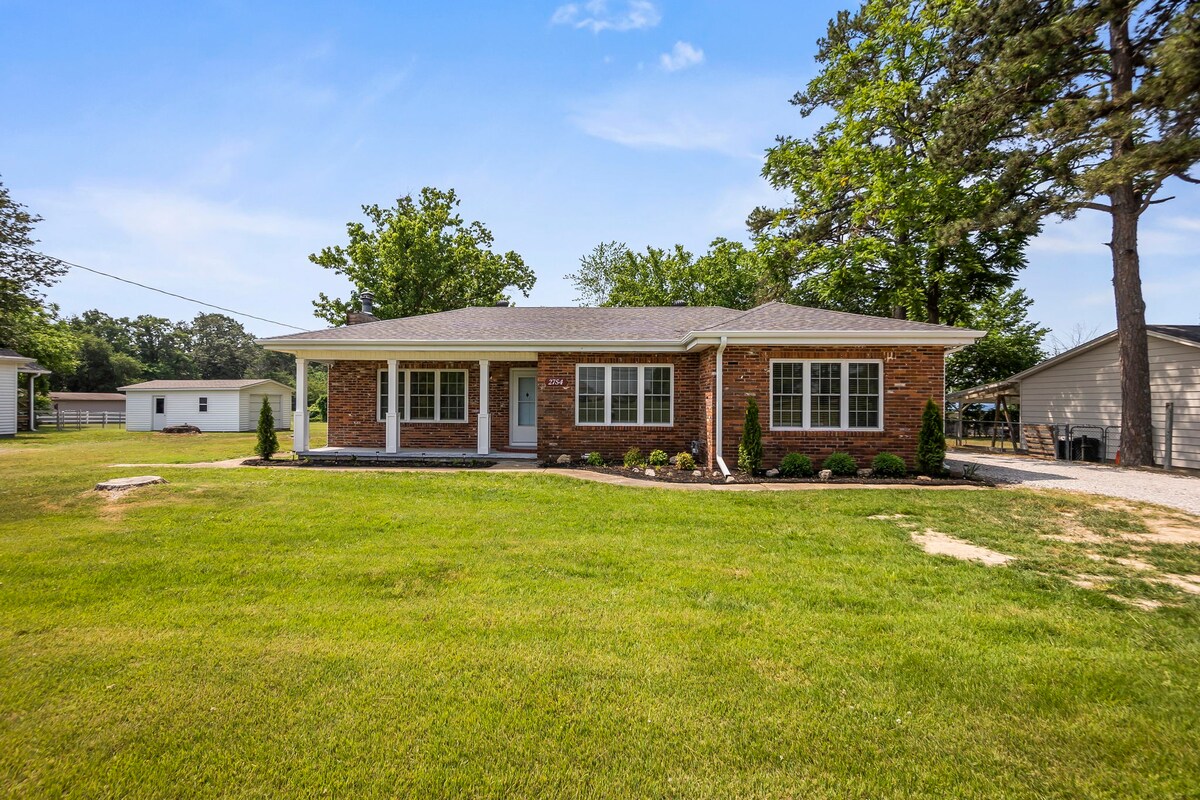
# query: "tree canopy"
(866, 230)
(729, 274)
(1013, 343)
(418, 257)
(1080, 104)
(27, 324)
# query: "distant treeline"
(116, 351)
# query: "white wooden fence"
(77, 419)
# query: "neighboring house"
(544, 382)
(218, 405)
(14, 370)
(89, 402)
(1082, 387)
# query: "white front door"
(522, 411)
(158, 412)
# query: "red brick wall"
(353, 406)
(498, 399)
(558, 433)
(911, 375)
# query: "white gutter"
(719, 402)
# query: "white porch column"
(392, 430)
(483, 439)
(300, 418)
(32, 412)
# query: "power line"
(73, 265)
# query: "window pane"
(864, 395)
(420, 395)
(825, 388)
(624, 395)
(383, 387)
(590, 394)
(454, 396)
(657, 395)
(787, 395)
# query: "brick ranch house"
(540, 382)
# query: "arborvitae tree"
(931, 442)
(268, 442)
(750, 451)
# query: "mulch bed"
(685, 476)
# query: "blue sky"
(209, 147)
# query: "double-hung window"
(203, 406)
(624, 394)
(826, 394)
(425, 395)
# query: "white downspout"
(719, 402)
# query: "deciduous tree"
(419, 257)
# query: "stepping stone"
(119, 484)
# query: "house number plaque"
(556, 381)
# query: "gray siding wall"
(1086, 390)
(8, 399)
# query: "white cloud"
(595, 15)
(734, 116)
(682, 56)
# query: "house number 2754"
(556, 381)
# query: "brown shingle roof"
(534, 324)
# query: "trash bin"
(1085, 448)
(1060, 448)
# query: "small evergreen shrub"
(594, 459)
(795, 465)
(889, 465)
(659, 458)
(931, 441)
(685, 461)
(268, 442)
(841, 464)
(750, 451)
(633, 458)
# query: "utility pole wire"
(73, 265)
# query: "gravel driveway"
(1176, 491)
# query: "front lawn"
(268, 633)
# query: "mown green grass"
(299, 632)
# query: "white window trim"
(806, 385)
(201, 405)
(402, 411)
(641, 396)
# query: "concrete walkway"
(1173, 490)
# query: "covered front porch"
(424, 405)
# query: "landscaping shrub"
(795, 465)
(842, 464)
(931, 441)
(594, 459)
(268, 442)
(633, 457)
(750, 452)
(658, 458)
(889, 465)
(685, 461)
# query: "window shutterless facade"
(624, 394)
(424, 395)
(824, 394)
(203, 404)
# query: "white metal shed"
(1083, 387)
(215, 405)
